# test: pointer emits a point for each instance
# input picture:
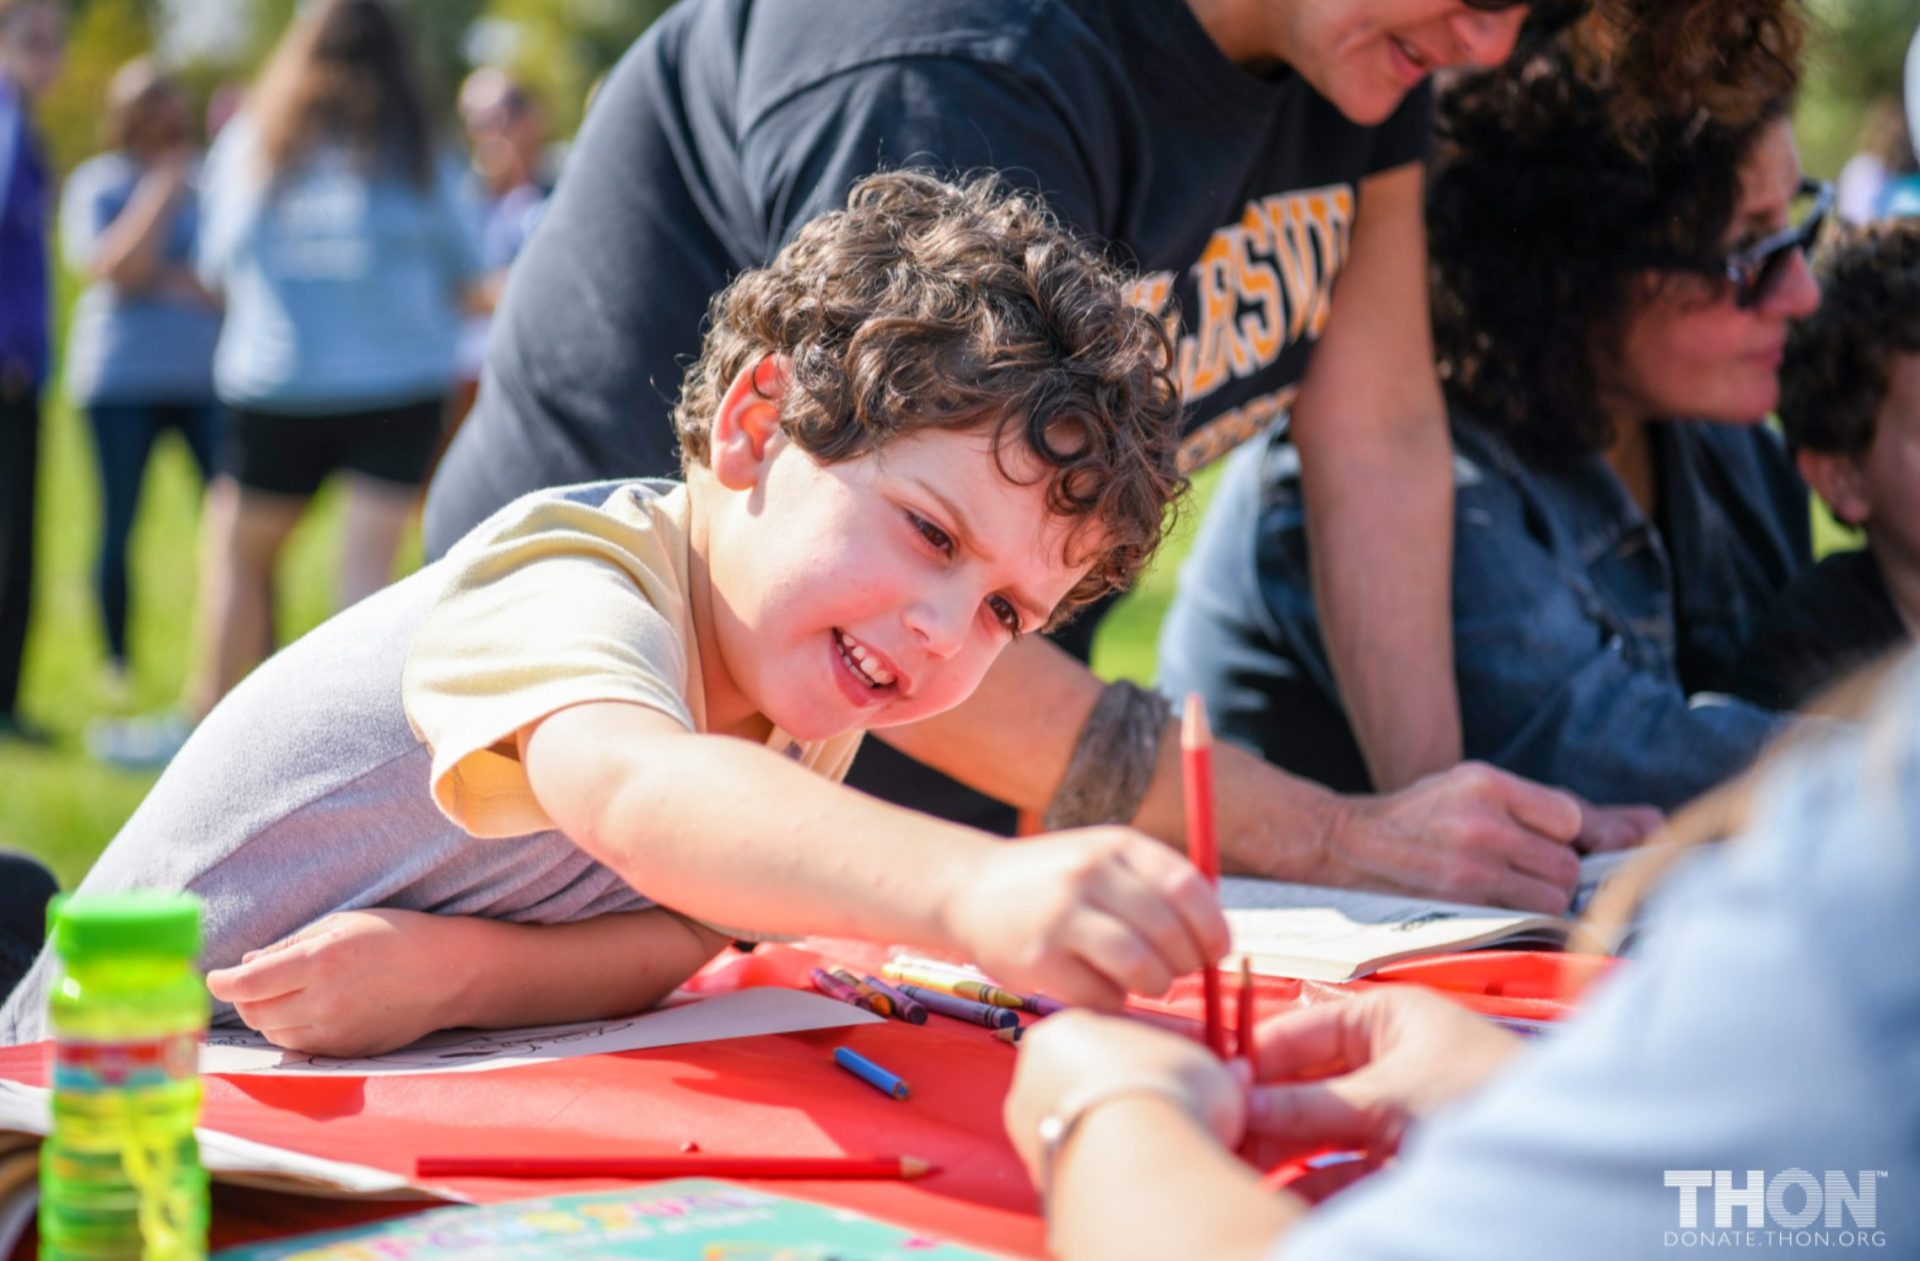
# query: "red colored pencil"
(696, 1165)
(1243, 1017)
(1196, 761)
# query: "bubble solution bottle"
(120, 1173)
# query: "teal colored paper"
(691, 1219)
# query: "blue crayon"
(962, 1008)
(869, 1072)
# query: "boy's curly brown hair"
(1834, 378)
(929, 304)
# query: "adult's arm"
(1471, 834)
(128, 250)
(1371, 430)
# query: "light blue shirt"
(132, 347)
(342, 287)
(1771, 1024)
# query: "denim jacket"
(1590, 646)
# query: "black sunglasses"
(1755, 270)
(1495, 6)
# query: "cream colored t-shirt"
(558, 599)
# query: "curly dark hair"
(1542, 217)
(1835, 375)
(928, 304)
(1726, 60)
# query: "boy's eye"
(1008, 615)
(941, 540)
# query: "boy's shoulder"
(1834, 617)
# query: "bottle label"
(137, 1064)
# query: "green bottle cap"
(98, 926)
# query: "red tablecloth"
(764, 1096)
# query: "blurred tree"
(1860, 46)
(102, 35)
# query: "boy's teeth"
(861, 660)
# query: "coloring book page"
(745, 1014)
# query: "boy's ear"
(1838, 480)
(747, 421)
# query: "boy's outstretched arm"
(362, 982)
(1470, 834)
(732, 833)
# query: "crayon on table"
(903, 1007)
(867, 1071)
(697, 1166)
(1010, 1034)
(1041, 1005)
(876, 1001)
(839, 990)
(952, 981)
(962, 1008)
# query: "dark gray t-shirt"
(733, 122)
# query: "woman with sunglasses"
(1610, 315)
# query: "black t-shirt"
(733, 122)
(1832, 619)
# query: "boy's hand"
(1088, 916)
(354, 983)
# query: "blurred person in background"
(336, 232)
(1885, 154)
(506, 133)
(139, 353)
(32, 41)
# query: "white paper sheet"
(24, 1109)
(747, 1013)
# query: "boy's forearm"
(731, 832)
(505, 975)
(1014, 737)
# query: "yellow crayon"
(948, 979)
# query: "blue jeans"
(123, 438)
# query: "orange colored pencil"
(1196, 762)
(697, 1165)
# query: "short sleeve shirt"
(561, 600)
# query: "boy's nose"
(939, 623)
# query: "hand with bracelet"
(1129, 1131)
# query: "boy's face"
(871, 592)
(1890, 470)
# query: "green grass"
(56, 802)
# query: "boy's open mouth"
(866, 666)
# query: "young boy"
(1850, 404)
(931, 425)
